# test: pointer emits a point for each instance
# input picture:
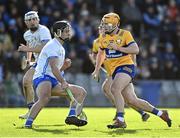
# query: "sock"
(157, 112)
(29, 122)
(120, 116)
(141, 112)
(72, 112)
(30, 105)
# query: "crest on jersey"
(118, 41)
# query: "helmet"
(58, 28)
(60, 25)
(30, 15)
(110, 22)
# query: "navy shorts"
(128, 69)
(40, 79)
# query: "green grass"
(50, 123)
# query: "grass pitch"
(50, 123)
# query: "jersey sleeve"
(50, 52)
(128, 38)
(45, 34)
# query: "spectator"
(151, 22)
(13, 91)
(132, 16)
(5, 40)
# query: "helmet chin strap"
(111, 31)
(64, 40)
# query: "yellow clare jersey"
(96, 45)
(115, 58)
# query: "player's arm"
(37, 49)
(92, 57)
(67, 64)
(94, 51)
(56, 72)
(45, 36)
(29, 56)
(99, 59)
(130, 49)
(131, 45)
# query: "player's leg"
(43, 92)
(106, 86)
(132, 99)
(28, 90)
(106, 89)
(120, 81)
(79, 94)
(143, 114)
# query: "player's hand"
(23, 48)
(95, 75)
(64, 85)
(67, 64)
(113, 46)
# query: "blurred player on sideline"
(48, 81)
(36, 37)
(108, 81)
(118, 45)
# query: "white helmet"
(30, 15)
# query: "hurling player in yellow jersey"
(118, 45)
(107, 83)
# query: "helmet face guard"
(108, 27)
(110, 22)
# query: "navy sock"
(29, 122)
(141, 112)
(30, 105)
(72, 112)
(120, 114)
(155, 111)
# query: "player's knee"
(83, 92)
(114, 90)
(105, 89)
(44, 101)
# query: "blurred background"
(155, 25)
